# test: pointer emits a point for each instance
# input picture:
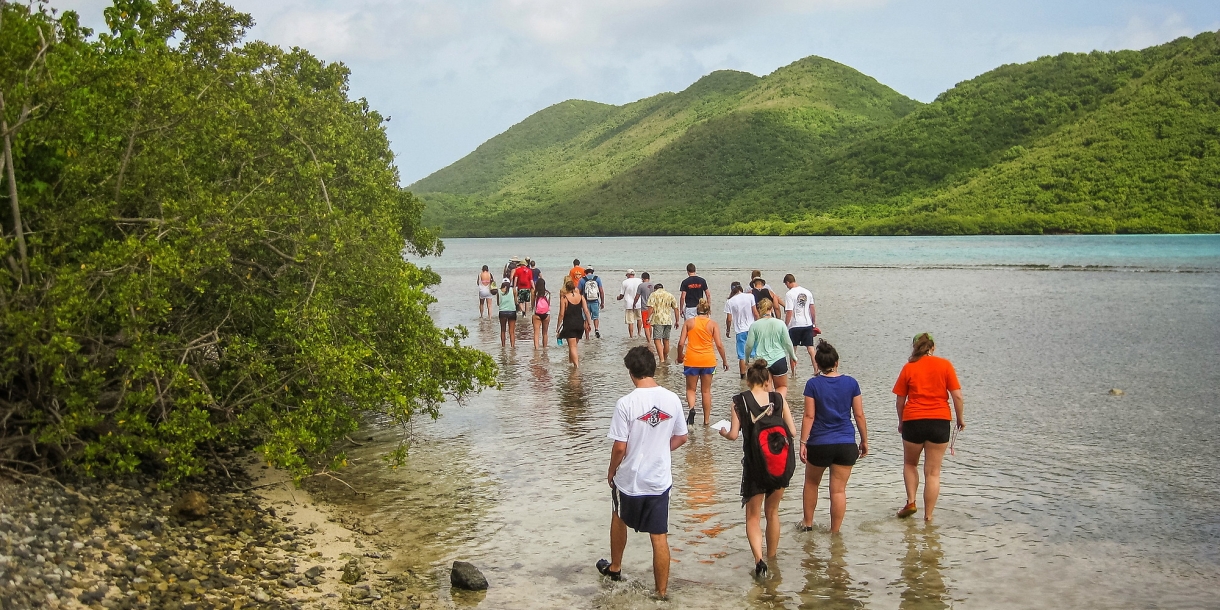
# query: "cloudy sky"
(453, 73)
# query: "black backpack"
(770, 459)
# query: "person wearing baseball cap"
(923, 390)
(631, 309)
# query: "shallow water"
(1060, 494)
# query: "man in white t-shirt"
(647, 425)
(739, 310)
(631, 311)
(799, 316)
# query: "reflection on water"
(923, 585)
(514, 479)
(828, 582)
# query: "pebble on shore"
(128, 544)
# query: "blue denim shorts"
(741, 345)
(595, 309)
(695, 371)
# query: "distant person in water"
(697, 347)
(800, 315)
(523, 282)
(641, 301)
(739, 315)
(573, 320)
(507, 299)
(831, 399)
(576, 272)
(595, 295)
(765, 420)
(665, 318)
(768, 339)
(542, 310)
(631, 307)
(923, 390)
(763, 290)
(647, 425)
(692, 289)
(485, 296)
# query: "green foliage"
(1097, 142)
(215, 250)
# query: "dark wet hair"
(921, 346)
(575, 261)
(484, 267)
(690, 267)
(789, 279)
(826, 356)
(645, 276)
(758, 374)
(539, 287)
(735, 288)
(640, 362)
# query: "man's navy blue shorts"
(643, 513)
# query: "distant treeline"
(1125, 141)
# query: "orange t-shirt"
(926, 383)
(576, 273)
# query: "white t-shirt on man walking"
(646, 419)
(797, 301)
(630, 285)
(741, 307)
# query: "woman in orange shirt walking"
(923, 388)
(697, 347)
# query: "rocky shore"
(247, 541)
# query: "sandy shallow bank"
(259, 543)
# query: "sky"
(452, 74)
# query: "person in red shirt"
(924, 420)
(523, 281)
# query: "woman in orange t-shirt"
(697, 347)
(923, 388)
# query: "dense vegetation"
(202, 245)
(1097, 142)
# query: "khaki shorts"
(631, 316)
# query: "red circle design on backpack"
(774, 444)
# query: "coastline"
(257, 541)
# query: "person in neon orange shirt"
(923, 388)
(576, 272)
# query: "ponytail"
(826, 356)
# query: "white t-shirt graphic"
(646, 419)
(797, 301)
(630, 285)
(742, 309)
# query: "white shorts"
(484, 292)
(631, 316)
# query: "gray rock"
(465, 576)
(314, 572)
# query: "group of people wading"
(648, 422)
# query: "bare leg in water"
(705, 384)
(756, 506)
(935, 456)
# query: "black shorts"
(542, 317)
(838, 454)
(508, 315)
(920, 431)
(780, 368)
(643, 513)
(801, 335)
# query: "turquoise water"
(1061, 494)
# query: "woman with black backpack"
(763, 417)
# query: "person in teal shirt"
(768, 339)
(507, 300)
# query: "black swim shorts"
(920, 431)
(643, 513)
(838, 454)
(801, 335)
(780, 368)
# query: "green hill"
(1098, 142)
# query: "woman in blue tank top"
(831, 399)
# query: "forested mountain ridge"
(1121, 141)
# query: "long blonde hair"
(703, 307)
(568, 286)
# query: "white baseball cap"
(631, 272)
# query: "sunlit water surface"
(1061, 495)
